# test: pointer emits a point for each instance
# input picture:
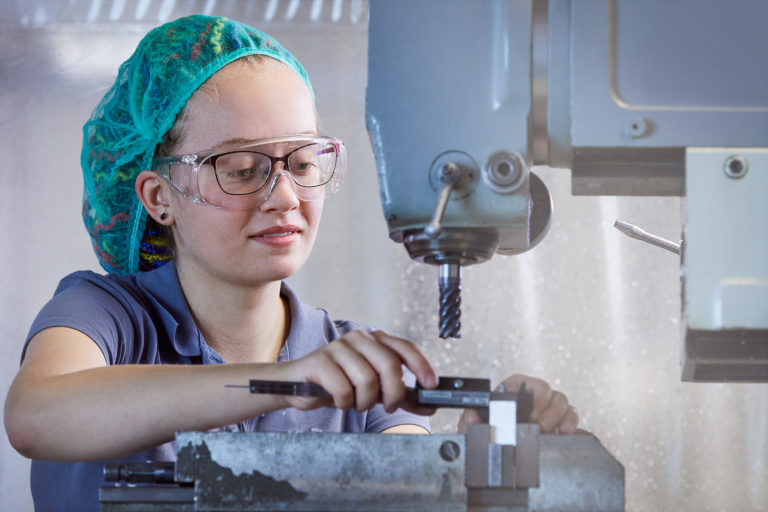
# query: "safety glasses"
(236, 177)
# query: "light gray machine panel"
(620, 92)
(656, 74)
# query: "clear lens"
(312, 165)
(242, 172)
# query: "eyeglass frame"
(190, 187)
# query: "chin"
(281, 271)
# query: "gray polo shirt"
(144, 319)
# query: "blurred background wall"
(593, 312)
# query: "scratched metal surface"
(593, 312)
(304, 471)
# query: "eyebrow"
(241, 140)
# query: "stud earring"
(163, 216)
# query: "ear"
(154, 193)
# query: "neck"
(243, 323)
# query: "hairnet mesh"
(120, 138)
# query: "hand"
(360, 369)
(550, 408)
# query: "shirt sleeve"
(81, 305)
(378, 419)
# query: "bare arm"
(405, 429)
(67, 404)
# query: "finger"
(411, 356)
(308, 403)
(542, 392)
(323, 369)
(421, 410)
(569, 422)
(391, 374)
(361, 362)
(554, 412)
(512, 383)
(388, 367)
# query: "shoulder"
(97, 305)
(87, 282)
(133, 291)
(88, 292)
(124, 314)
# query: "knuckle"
(363, 336)
(391, 364)
(559, 398)
(324, 358)
(368, 379)
(546, 424)
(363, 404)
(544, 386)
(339, 343)
(344, 399)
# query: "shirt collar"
(163, 288)
(306, 322)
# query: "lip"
(278, 235)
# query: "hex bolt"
(735, 167)
(449, 451)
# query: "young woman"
(205, 180)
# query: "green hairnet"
(152, 87)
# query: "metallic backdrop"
(590, 310)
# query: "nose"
(281, 193)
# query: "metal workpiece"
(499, 477)
(494, 465)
